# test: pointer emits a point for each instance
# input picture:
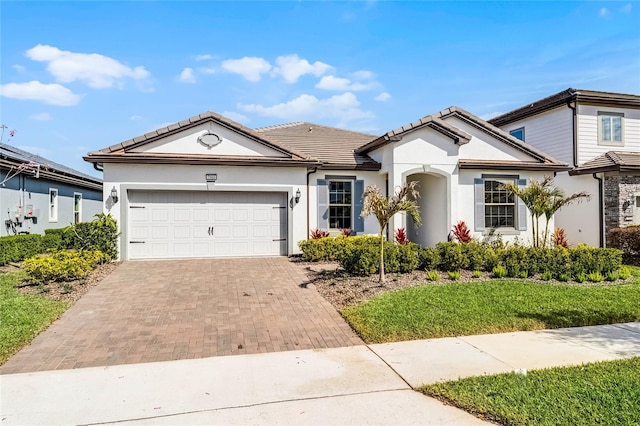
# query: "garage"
(183, 224)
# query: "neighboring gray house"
(38, 194)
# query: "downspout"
(309, 173)
(574, 108)
(600, 209)
(97, 167)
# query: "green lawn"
(605, 393)
(22, 317)
(497, 306)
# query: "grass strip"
(22, 317)
(496, 306)
(604, 393)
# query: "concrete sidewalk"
(353, 385)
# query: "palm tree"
(384, 208)
(542, 198)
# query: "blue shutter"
(358, 221)
(478, 185)
(323, 205)
(522, 209)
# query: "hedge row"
(628, 240)
(361, 256)
(99, 234)
(63, 265)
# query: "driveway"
(148, 311)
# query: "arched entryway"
(434, 209)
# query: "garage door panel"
(206, 224)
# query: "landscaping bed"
(606, 393)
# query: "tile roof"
(612, 161)
(329, 145)
(564, 98)
(18, 156)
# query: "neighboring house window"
(610, 128)
(497, 209)
(53, 205)
(518, 133)
(340, 204)
(77, 207)
(499, 205)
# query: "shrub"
(428, 258)
(595, 277)
(451, 257)
(612, 276)
(16, 248)
(499, 271)
(475, 255)
(546, 276)
(332, 248)
(99, 234)
(560, 262)
(560, 238)
(401, 236)
(581, 277)
(476, 274)
(461, 232)
(318, 233)
(64, 265)
(628, 240)
(515, 260)
(564, 277)
(52, 242)
(364, 258)
(589, 259)
(454, 275)
(433, 275)
(346, 232)
(624, 272)
(66, 235)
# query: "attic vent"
(209, 139)
(310, 129)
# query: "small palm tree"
(384, 208)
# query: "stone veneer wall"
(617, 190)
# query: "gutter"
(600, 209)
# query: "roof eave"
(147, 159)
(604, 169)
(486, 165)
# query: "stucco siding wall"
(550, 132)
(588, 147)
(580, 221)
(192, 178)
(29, 191)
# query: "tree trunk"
(546, 231)
(382, 277)
(533, 231)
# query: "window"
(610, 128)
(340, 197)
(499, 205)
(77, 207)
(518, 133)
(53, 205)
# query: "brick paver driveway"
(176, 309)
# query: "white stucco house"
(210, 187)
(598, 135)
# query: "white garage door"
(178, 224)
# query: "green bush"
(364, 258)
(16, 248)
(454, 275)
(99, 234)
(433, 275)
(595, 277)
(612, 276)
(51, 242)
(475, 255)
(64, 265)
(476, 274)
(332, 248)
(624, 272)
(66, 236)
(516, 260)
(581, 277)
(428, 258)
(628, 240)
(451, 257)
(546, 276)
(560, 262)
(499, 271)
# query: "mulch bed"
(69, 291)
(341, 290)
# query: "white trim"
(53, 206)
(352, 206)
(599, 124)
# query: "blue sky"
(80, 76)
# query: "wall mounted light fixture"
(298, 195)
(114, 195)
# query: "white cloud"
(236, 116)
(291, 68)
(186, 76)
(18, 68)
(98, 71)
(43, 116)
(250, 67)
(207, 70)
(204, 57)
(383, 97)
(52, 94)
(626, 8)
(136, 117)
(330, 82)
(344, 107)
(603, 12)
(363, 75)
